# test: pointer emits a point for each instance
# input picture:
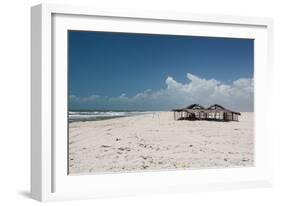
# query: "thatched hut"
(197, 112)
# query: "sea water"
(94, 115)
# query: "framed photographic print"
(137, 102)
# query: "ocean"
(94, 115)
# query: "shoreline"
(84, 116)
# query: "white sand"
(156, 142)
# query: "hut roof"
(192, 107)
(219, 107)
(195, 106)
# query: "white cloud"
(237, 95)
(91, 98)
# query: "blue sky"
(111, 70)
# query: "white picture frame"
(49, 180)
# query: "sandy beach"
(157, 142)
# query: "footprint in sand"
(124, 149)
(105, 146)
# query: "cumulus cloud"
(237, 95)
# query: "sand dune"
(157, 142)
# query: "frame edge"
(36, 117)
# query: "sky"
(126, 71)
